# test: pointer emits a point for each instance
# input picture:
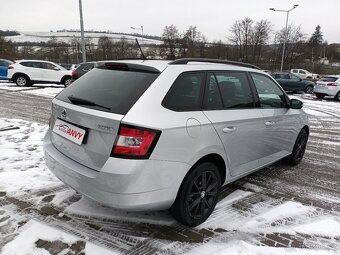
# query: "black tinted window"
(114, 89)
(186, 93)
(282, 76)
(329, 79)
(32, 64)
(271, 96)
(229, 89)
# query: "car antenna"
(142, 54)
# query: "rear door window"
(228, 90)
(110, 90)
(32, 64)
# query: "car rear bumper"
(326, 90)
(133, 185)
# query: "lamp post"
(286, 31)
(139, 28)
(82, 31)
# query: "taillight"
(135, 142)
(74, 74)
(10, 67)
(331, 84)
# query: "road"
(312, 188)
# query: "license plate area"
(69, 131)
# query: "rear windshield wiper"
(81, 101)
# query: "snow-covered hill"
(36, 37)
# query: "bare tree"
(294, 44)
(190, 41)
(105, 45)
(241, 32)
(170, 38)
(259, 38)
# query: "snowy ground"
(278, 210)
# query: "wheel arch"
(306, 128)
(215, 159)
(18, 74)
(64, 78)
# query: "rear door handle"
(269, 123)
(229, 129)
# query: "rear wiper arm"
(78, 100)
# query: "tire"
(22, 80)
(319, 95)
(196, 198)
(299, 149)
(309, 90)
(337, 96)
(67, 81)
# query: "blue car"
(4, 63)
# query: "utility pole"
(82, 31)
(286, 31)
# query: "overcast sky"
(212, 17)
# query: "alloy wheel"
(21, 81)
(202, 194)
(300, 147)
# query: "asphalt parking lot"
(279, 206)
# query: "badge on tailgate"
(69, 131)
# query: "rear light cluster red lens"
(74, 74)
(331, 84)
(135, 142)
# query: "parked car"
(28, 72)
(74, 66)
(66, 66)
(291, 82)
(152, 134)
(82, 69)
(304, 74)
(4, 63)
(328, 86)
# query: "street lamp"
(139, 28)
(286, 30)
(82, 32)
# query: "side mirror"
(56, 68)
(295, 104)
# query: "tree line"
(247, 40)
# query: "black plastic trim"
(184, 61)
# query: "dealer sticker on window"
(69, 131)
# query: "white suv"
(304, 74)
(151, 134)
(28, 72)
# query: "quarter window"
(228, 90)
(186, 93)
(271, 96)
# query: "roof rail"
(184, 61)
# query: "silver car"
(150, 134)
(328, 86)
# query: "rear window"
(114, 91)
(329, 79)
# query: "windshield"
(108, 90)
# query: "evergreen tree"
(315, 42)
